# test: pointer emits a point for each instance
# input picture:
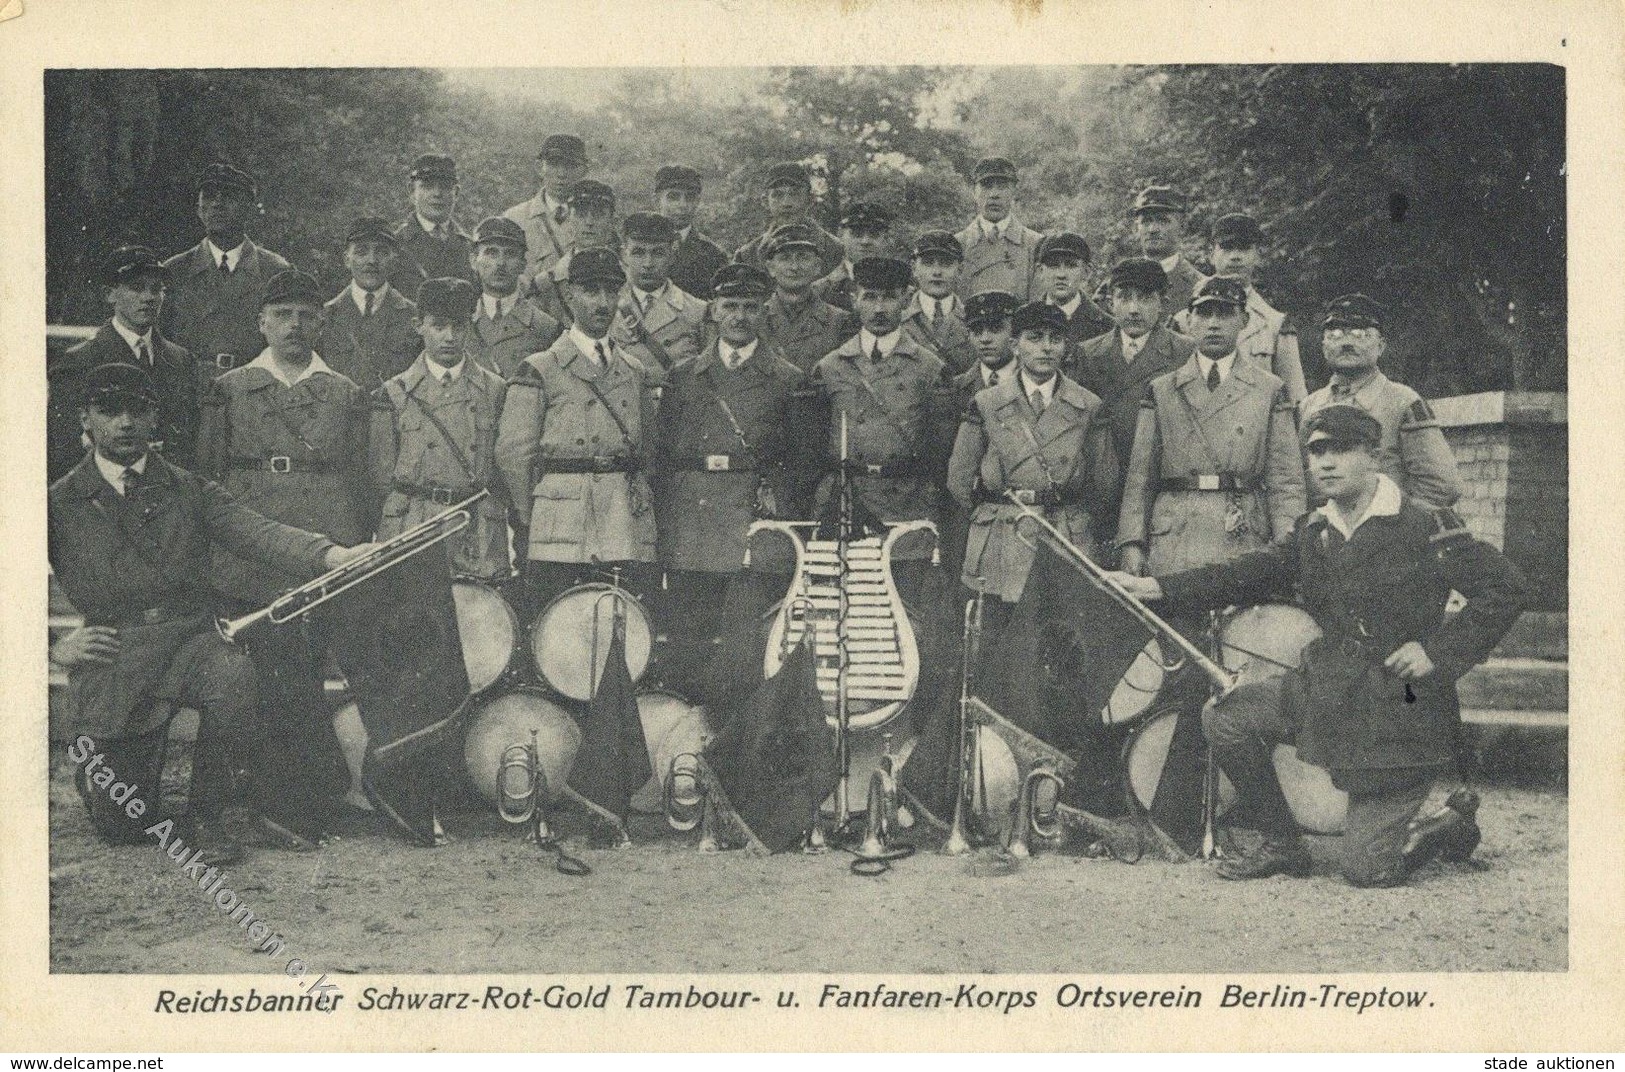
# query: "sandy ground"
(488, 903)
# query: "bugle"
(526, 803)
(297, 602)
(965, 796)
(877, 849)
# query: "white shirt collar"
(734, 357)
(990, 228)
(233, 255)
(1133, 346)
(887, 343)
(267, 361)
(1168, 263)
(1384, 503)
(644, 298)
(496, 308)
(682, 235)
(131, 338)
(428, 227)
(1225, 363)
(989, 373)
(113, 472)
(1047, 390)
(929, 305)
(445, 374)
(1071, 306)
(358, 294)
(588, 345)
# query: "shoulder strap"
(457, 451)
(626, 433)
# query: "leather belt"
(901, 467)
(1208, 482)
(713, 463)
(603, 463)
(282, 463)
(438, 494)
(1029, 496)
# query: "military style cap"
(290, 287)
(449, 297)
(118, 381)
(1353, 311)
(590, 191)
(788, 173)
(990, 305)
(1220, 289)
(499, 229)
(368, 227)
(741, 280)
(563, 149)
(1140, 273)
(1159, 199)
(882, 273)
(1343, 424)
(1237, 229)
(678, 177)
(226, 177)
(1066, 243)
(434, 167)
(790, 236)
(993, 167)
(648, 227)
(1037, 314)
(866, 217)
(939, 242)
(127, 262)
(598, 264)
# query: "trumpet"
(877, 850)
(959, 839)
(526, 803)
(298, 602)
(1028, 821)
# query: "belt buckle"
(872, 468)
(718, 463)
(225, 362)
(1207, 482)
(440, 496)
(152, 615)
(281, 463)
(1026, 496)
(601, 463)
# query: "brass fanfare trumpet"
(526, 802)
(965, 795)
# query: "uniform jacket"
(174, 374)
(898, 412)
(410, 453)
(695, 262)
(955, 518)
(1086, 322)
(501, 344)
(552, 412)
(1001, 264)
(216, 316)
(830, 251)
(1003, 445)
(837, 287)
(1414, 453)
(806, 335)
(547, 290)
(703, 514)
(425, 257)
(119, 557)
(1099, 367)
(672, 330)
(369, 349)
(1383, 587)
(1246, 430)
(1269, 340)
(545, 238)
(1182, 283)
(952, 342)
(249, 417)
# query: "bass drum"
(671, 727)
(1138, 687)
(570, 640)
(1145, 754)
(508, 720)
(490, 633)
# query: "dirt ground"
(488, 903)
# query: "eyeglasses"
(1352, 333)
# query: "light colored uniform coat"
(1414, 453)
(1006, 263)
(501, 344)
(673, 329)
(369, 349)
(216, 315)
(807, 334)
(545, 238)
(1268, 340)
(952, 341)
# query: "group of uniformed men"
(633, 398)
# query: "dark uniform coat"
(1381, 588)
(1087, 321)
(805, 335)
(695, 262)
(1183, 279)
(1007, 263)
(1269, 341)
(1246, 432)
(1414, 453)
(213, 314)
(724, 434)
(501, 344)
(174, 375)
(141, 565)
(551, 412)
(671, 331)
(369, 349)
(837, 287)
(830, 251)
(1098, 366)
(1065, 453)
(951, 340)
(433, 446)
(423, 256)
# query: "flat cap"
(648, 227)
(1353, 311)
(1158, 199)
(1343, 424)
(225, 177)
(447, 296)
(678, 177)
(434, 167)
(866, 216)
(1237, 229)
(1220, 289)
(127, 262)
(292, 287)
(787, 173)
(598, 264)
(1063, 243)
(1035, 315)
(1140, 273)
(740, 280)
(369, 227)
(990, 305)
(563, 149)
(939, 242)
(882, 273)
(499, 229)
(790, 236)
(590, 191)
(118, 380)
(993, 167)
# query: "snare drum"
(570, 640)
(507, 720)
(671, 727)
(490, 633)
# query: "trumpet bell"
(508, 721)
(672, 728)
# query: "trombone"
(298, 602)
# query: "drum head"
(1138, 688)
(1265, 641)
(671, 727)
(570, 641)
(490, 632)
(507, 720)
(1145, 754)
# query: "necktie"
(225, 265)
(603, 356)
(558, 214)
(875, 355)
(993, 378)
(367, 307)
(142, 357)
(1038, 402)
(936, 319)
(131, 480)
(1213, 376)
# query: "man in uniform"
(367, 331)
(1413, 452)
(865, 230)
(432, 242)
(697, 259)
(1063, 262)
(590, 223)
(657, 321)
(894, 398)
(508, 326)
(133, 283)
(789, 201)
(936, 315)
(798, 323)
(1000, 253)
(560, 165)
(1375, 700)
(575, 442)
(1269, 338)
(212, 307)
(130, 538)
(1159, 219)
(434, 430)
